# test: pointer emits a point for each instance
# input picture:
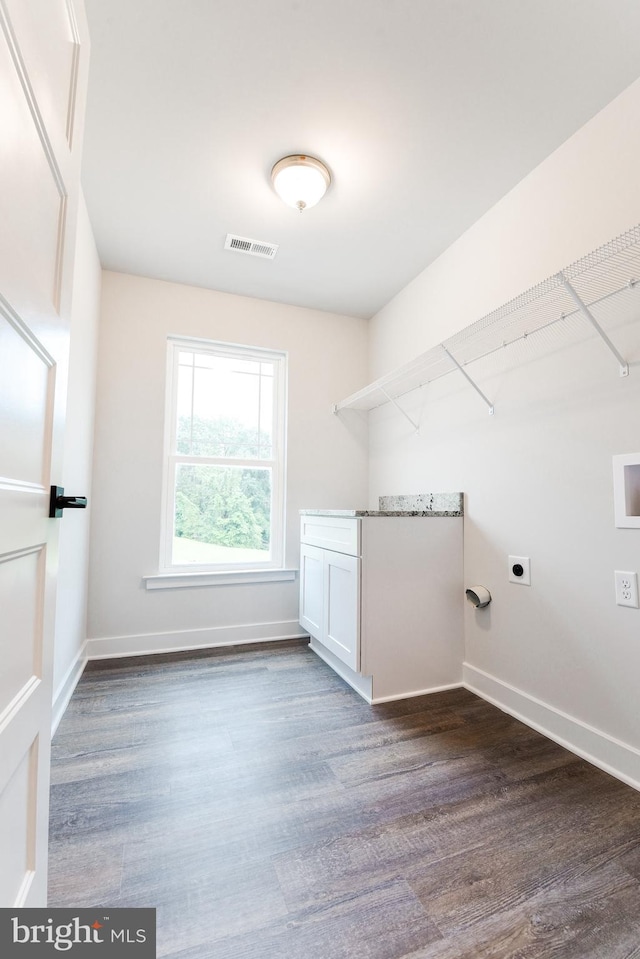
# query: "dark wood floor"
(269, 813)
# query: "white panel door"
(43, 67)
(311, 590)
(342, 607)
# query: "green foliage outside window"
(222, 505)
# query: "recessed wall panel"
(17, 825)
(31, 198)
(25, 400)
(49, 56)
(21, 591)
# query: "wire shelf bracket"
(588, 315)
(469, 380)
(399, 408)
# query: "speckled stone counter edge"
(422, 504)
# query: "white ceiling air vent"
(243, 244)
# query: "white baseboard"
(142, 644)
(414, 693)
(613, 756)
(65, 690)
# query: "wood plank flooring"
(267, 812)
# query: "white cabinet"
(312, 589)
(338, 533)
(382, 599)
(330, 601)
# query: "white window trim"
(208, 574)
(239, 577)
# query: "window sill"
(226, 578)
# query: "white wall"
(537, 475)
(71, 606)
(583, 195)
(327, 463)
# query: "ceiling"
(426, 111)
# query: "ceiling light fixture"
(301, 181)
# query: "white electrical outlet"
(626, 588)
(520, 570)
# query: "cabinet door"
(342, 607)
(311, 589)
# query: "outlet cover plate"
(525, 578)
(626, 588)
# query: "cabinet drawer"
(339, 533)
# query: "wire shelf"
(573, 292)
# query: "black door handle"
(59, 501)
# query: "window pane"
(183, 412)
(222, 515)
(266, 411)
(224, 407)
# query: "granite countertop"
(423, 504)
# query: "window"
(224, 466)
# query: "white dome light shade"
(301, 181)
